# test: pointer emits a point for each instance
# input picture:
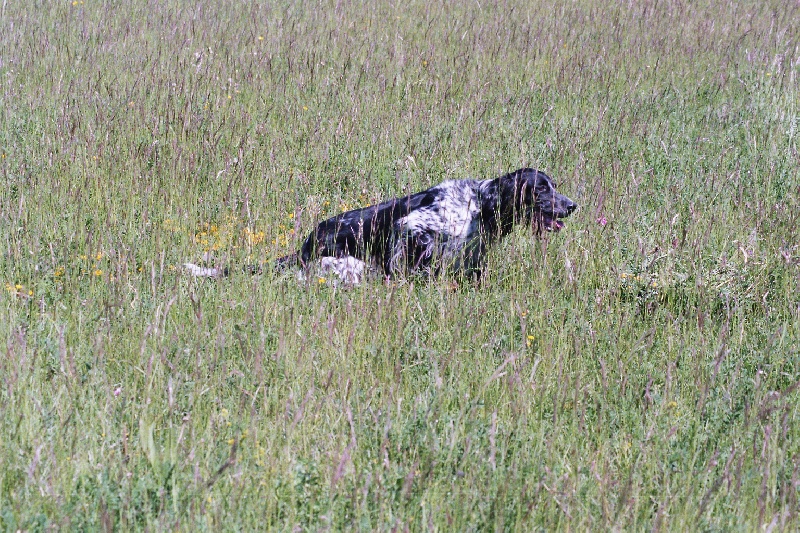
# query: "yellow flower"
(254, 238)
(30, 293)
(230, 442)
(98, 272)
(529, 340)
(18, 287)
(321, 280)
(290, 215)
(305, 108)
(260, 37)
(98, 256)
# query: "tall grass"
(638, 370)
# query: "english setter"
(448, 227)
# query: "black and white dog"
(448, 227)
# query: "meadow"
(637, 371)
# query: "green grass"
(640, 374)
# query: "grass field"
(637, 371)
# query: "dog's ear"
(527, 187)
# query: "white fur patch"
(452, 214)
(348, 269)
(342, 270)
(454, 219)
(202, 272)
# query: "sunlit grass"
(638, 370)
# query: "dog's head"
(536, 198)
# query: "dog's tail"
(198, 271)
(280, 265)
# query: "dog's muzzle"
(564, 208)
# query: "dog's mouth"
(551, 222)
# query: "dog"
(448, 227)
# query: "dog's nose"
(571, 206)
